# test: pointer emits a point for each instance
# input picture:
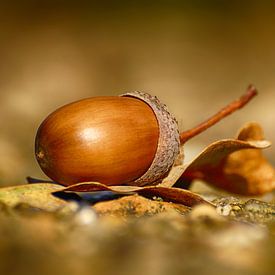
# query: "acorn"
(130, 139)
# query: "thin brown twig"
(230, 108)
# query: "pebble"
(85, 216)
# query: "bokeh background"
(196, 56)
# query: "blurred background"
(196, 56)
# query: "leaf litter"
(235, 165)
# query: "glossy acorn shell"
(112, 140)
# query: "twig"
(232, 107)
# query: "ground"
(137, 235)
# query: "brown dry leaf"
(37, 195)
(235, 165)
(170, 194)
(137, 206)
(175, 172)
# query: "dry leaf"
(163, 190)
(235, 165)
(170, 194)
(37, 195)
(175, 172)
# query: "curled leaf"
(170, 194)
(235, 165)
(173, 194)
(96, 186)
(175, 172)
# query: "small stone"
(236, 208)
(204, 212)
(137, 206)
(85, 216)
(155, 198)
(224, 210)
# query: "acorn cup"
(130, 139)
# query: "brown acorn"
(114, 140)
(130, 139)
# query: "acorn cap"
(168, 142)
